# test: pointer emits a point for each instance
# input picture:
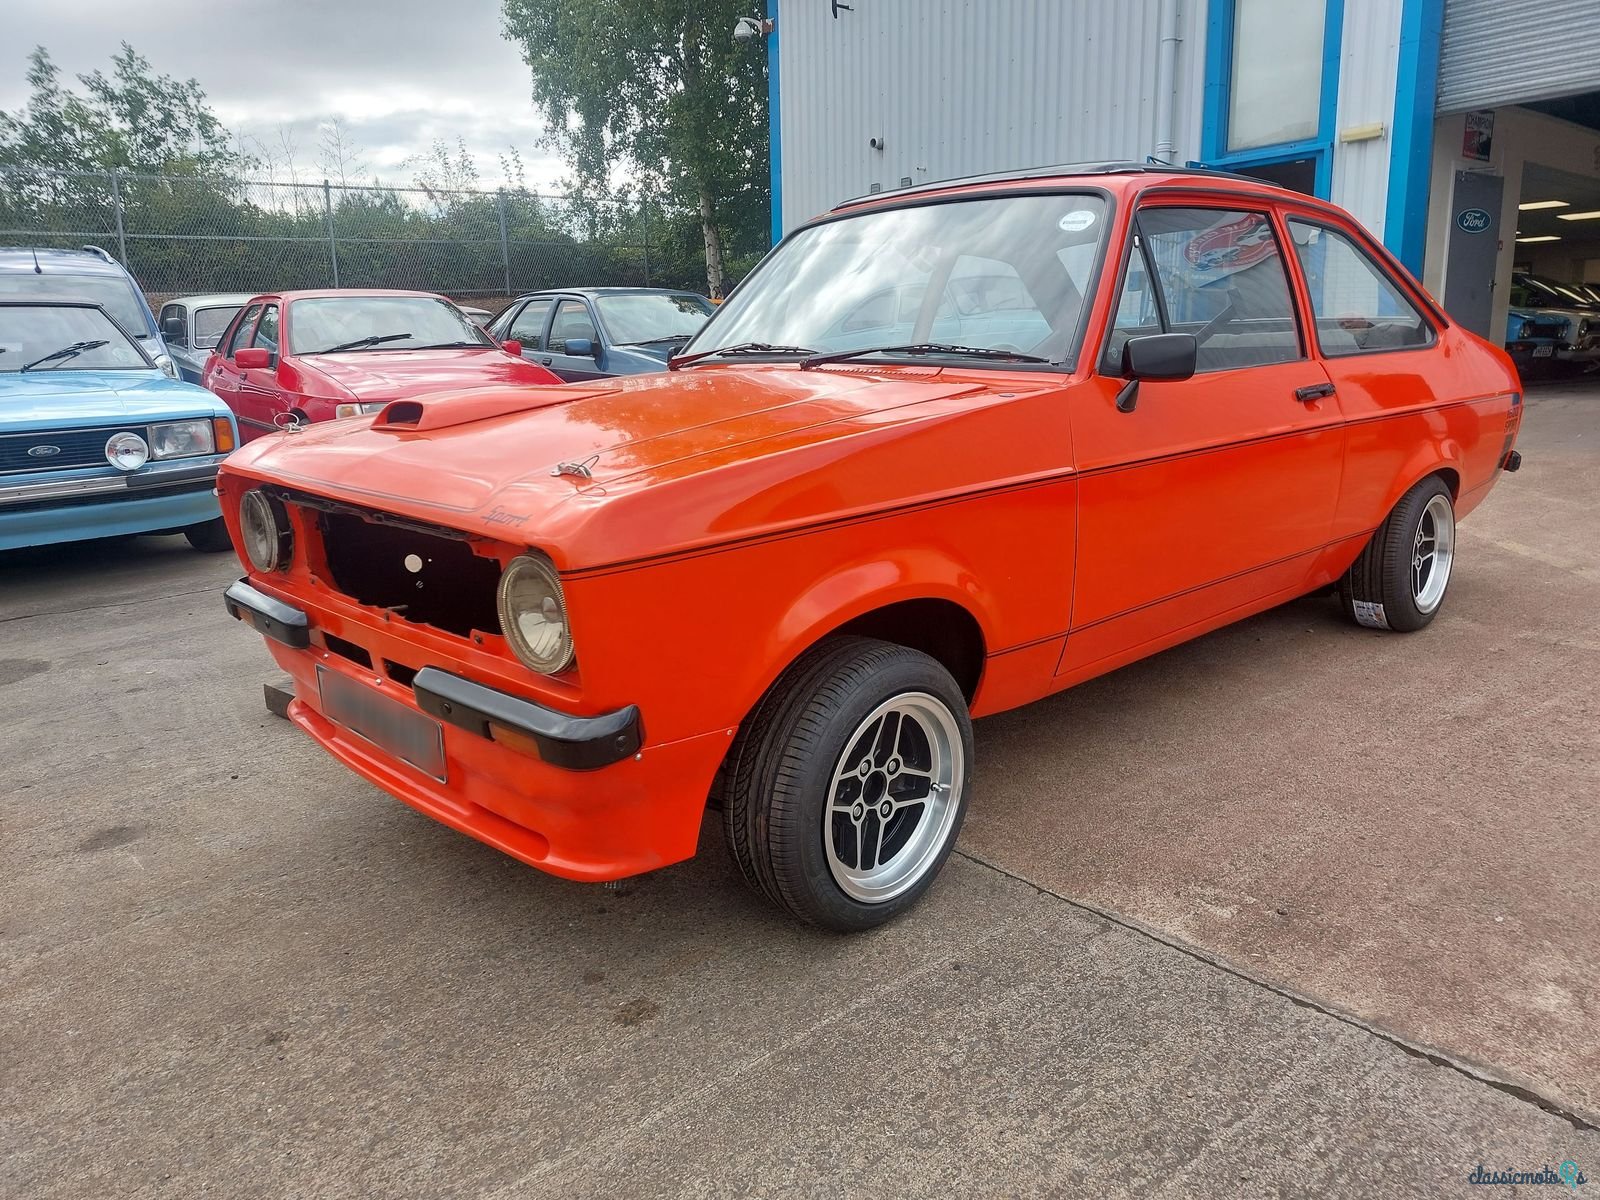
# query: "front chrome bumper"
(129, 485)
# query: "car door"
(572, 320)
(223, 376)
(259, 394)
(1369, 332)
(1211, 494)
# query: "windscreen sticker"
(1076, 221)
(1371, 615)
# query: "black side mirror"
(1157, 357)
(172, 329)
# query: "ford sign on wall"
(1473, 220)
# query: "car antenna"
(37, 269)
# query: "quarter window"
(1357, 306)
(528, 327)
(1219, 275)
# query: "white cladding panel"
(1369, 54)
(1508, 51)
(960, 87)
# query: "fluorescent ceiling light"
(1583, 216)
(1548, 237)
(1533, 204)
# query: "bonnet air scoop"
(444, 410)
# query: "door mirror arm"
(1156, 357)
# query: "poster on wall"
(1478, 139)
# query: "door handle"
(1314, 391)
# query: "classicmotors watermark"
(1566, 1174)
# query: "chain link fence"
(187, 234)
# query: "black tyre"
(1400, 580)
(846, 787)
(209, 536)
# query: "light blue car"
(95, 439)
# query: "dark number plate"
(387, 724)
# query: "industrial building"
(1464, 133)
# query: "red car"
(320, 355)
(945, 451)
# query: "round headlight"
(268, 540)
(1527, 330)
(533, 614)
(127, 451)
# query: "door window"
(572, 321)
(241, 331)
(1218, 274)
(528, 326)
(174, 310)
(266, 335)
(1358, 308)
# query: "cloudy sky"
(400, 72)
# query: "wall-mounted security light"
(747, 29)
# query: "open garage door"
(1499, 52)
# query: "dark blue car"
(594, 333)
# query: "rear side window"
(241, 331)
(1358, 308)
(209, 324)
(1219, 274)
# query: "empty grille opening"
(348, 650)
(419, 576)
(399, 672)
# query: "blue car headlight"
(180, 439)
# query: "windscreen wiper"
(938, 348)
(737, 348)
(65, 353)
(363, 343)
(656, 341)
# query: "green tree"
(663, 91)
(133, 119)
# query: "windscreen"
(1006, 273)
(325, 325)
(39, 337)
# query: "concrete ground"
(1295, 909)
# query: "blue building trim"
(1214, 117)
(1405, 219)
(774, 125)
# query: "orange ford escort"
(945, 452)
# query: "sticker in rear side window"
(1076, 221)
(1371, 615)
